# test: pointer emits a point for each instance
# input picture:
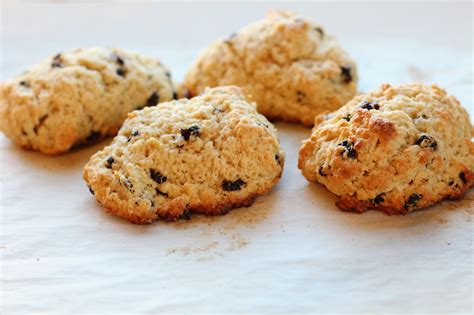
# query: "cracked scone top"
(293, 69)
(205, 155)
(79, 96)
(397, 149)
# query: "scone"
(293, 69)
(79, 96)
(397, 149)
(205, 155)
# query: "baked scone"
(206, 155)
(293, 69)
(397, 149)
(79, 96)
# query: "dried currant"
(427, 141)
(110, 161)
(378, 199)
(157, 176)
(412, 201)
(321, 171)
(346, 74)
(300, 96)
(57, 61)
(351, 152)
(153, 99)
(369, 105)
(319, 30)
(159, 192)
(232, 185)
(191, 131)
(133, 134)
(119, 60)
(121, 72)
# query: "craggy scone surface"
(79, 96)
(205, 155)
(397, 149)
(292, 68)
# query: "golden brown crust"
(397, 149)
(352, 204)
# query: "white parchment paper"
(293, 250)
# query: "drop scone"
(80, 96)
(205, 155)
(293, 69)
(397, 149)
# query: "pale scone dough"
(206, 155)
(294, 69)
(79, 96)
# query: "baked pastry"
(397, 149)
(293, 69)
(79, 96)
(206, 155)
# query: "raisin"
(133, 134)
(110, 161)
(157, 176)
(427, 141)
(277, 158)
(300, 96)
(412, 201)
(369, 105)
(90, 189)
(121, 72)
(153, 99)
(451, 183)
(351, 152)
(232, 186)
(462, 176)
(321, 171)
(119, 60)
(378, 199)
(191, 131)
(159, 192)
(319, 30)
(347, 117)
(24, 83)
(168, 74)
(186, 215)
(346, 74)
(93, 136)
(175, 95)
(57, 61)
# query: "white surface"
(292, 251)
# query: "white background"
(292, 251)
